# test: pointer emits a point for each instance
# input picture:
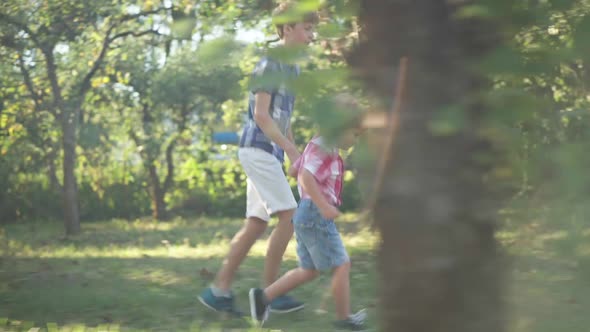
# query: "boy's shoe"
(355, 322)
(259, 308)
(284, 304)
(219, 303)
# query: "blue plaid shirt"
(270, 76)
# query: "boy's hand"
(294, 169)
(330, 212)
(293, 154)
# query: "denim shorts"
(319, 245)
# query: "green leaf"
(331, 30)
(504, 60)
(218, 51)
(52, 327)
(562, 4)
(447, 121)
(308, 5)
(297, 12)
(287, 54)
(183, 29)
(511, 105)
(473, 11)
(90, 135)
(582, 35)
(332, 117)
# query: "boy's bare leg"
(277, 243)
(341, 290)
(239, 248)
(287, 282)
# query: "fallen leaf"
(206, 274)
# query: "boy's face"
(348, 138)
(299, 33)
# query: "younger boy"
(266, 137)
(319, 245)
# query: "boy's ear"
(287, 28)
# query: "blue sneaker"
(258, 305)
(218, 303)
(285, 304)
(355, 322)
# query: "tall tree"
(54, 34)
(168, 105)
(438, 258)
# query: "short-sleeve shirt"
(270, 76)
(326, 166)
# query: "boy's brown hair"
(341, 113)
(287, 13)
(351, 112)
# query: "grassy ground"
(549, 286)
(144, 276)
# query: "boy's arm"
(311, 187)
(294, 163)
(268, 126)
(290, 135)
(294, 169)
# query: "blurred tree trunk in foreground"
(439, 261)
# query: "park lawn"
(142, 275)
(145, 276)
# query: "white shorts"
(268, 191)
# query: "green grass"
(143, 276)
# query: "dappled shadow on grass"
(148, 293)
(152, 293)
(551, 268)
(104, 276)
(144, 234)
(122, 233)
(200, 238)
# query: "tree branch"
(52, 170)
(169, 164)
(85, 85)
(170, 149)
(130, 17)
(51, 69)
(132, 132)
(135, 34)
(37, 99)
(20, 25)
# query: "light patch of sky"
(243, 34)
(250, 35)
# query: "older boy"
(266, 137)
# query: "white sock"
(220, 292)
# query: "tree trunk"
(157, 190)
(438, 259)
(159, 209)
(68, 115)
(70, 186)
(52, 170)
